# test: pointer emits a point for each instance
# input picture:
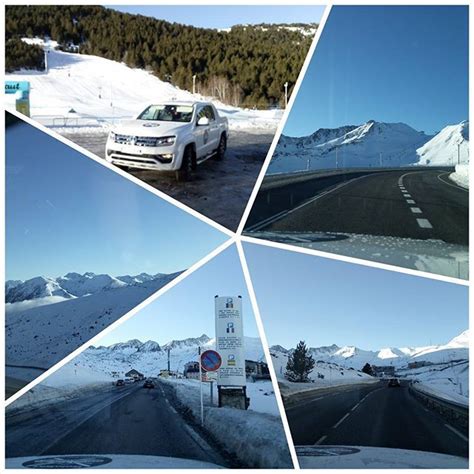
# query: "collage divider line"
(124, 174)
(283, 120)
(266, 350)
(196, 266)
(354, 260)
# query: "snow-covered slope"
(91, 93)
(71, 285)
(442, 367)
(372, 144)
(105, 362)
(443, 148)
(42, 336)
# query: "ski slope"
(85, 94)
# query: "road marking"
(424, 223)
(341, 420)
(415, 210)
(282, 214)
(451, 184)
(455, 431)
(355, 406)
(320, 440)
(406, 195)
(410, 201)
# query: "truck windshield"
(167, 113)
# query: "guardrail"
(456, 412)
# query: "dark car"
(394, 383)
(120, 383)
(148, 384)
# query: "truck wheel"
(184, 173)
(220, 152)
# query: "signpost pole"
(200, 387)
(212, 392)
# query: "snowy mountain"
(372, 144)
(442, 369)
(72, 285)
(41, 336)
(355, 358)
(91, 94)
(102, 362)
(443, 148)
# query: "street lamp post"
(194, 83)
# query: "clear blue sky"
(391, 64)
(187, 309)
(225, 16)
(67, 213)
(324, 301)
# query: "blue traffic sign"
(210, 360)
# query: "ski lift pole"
(200, 388)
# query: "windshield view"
(184, 383)
(372, 365)
(167, 113)
(377, 168)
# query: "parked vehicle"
(120, 383)
(174, 136)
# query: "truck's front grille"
(134, 140)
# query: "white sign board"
(230, 341)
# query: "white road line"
(406, 195)
(355, 406)
(341, 420)
(455, 431)
(410, 201)
(424, 223)
(415, 210)
(451, 184)
(320, 440)
(283, 214)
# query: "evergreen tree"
(300, 364)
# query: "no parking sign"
(210, 361)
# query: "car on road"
(120, 383)
(148, 384)
(173, 136)
(394, 383)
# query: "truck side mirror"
(203, 121)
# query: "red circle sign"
(210, 360)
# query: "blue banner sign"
(12, 87)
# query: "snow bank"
(461, 175)
(86, 94)
(256, 438)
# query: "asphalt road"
(423, 204)
(120, 420)
(219, 190)
(373, 415)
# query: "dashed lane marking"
(410, 201)
(415, 210)
(424, 223)
(320, 440)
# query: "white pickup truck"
(174, 136)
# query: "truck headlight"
(163, 141)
